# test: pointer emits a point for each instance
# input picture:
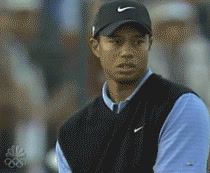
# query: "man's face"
(124, 55)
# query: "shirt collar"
(108, 100)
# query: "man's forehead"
(129, 29)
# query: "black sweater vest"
(96, 140)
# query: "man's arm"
(184, 139)
(63, 166)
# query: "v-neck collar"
(122, 104)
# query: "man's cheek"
(109, 48)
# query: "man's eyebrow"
(114, 36)
(140, 35)
(119, 36)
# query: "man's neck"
(120, 91)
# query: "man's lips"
(126, 65)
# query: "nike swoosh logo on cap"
(119, 9)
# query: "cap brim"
(110, 29)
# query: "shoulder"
(164, 89)
(170, 85)
(190, 104)
(77, 120)
(189, 112)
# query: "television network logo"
(15, 157)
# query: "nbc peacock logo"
(15, 157)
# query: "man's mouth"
(126, 65)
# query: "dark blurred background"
(47, 71)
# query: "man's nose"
(126, 50)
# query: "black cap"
(113, 14)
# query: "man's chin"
(126, 81)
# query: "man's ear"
(94, 45)
(150, 42)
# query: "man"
(141, 122)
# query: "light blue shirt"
(184, 139)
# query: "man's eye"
(115, 41)
(139, 41)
